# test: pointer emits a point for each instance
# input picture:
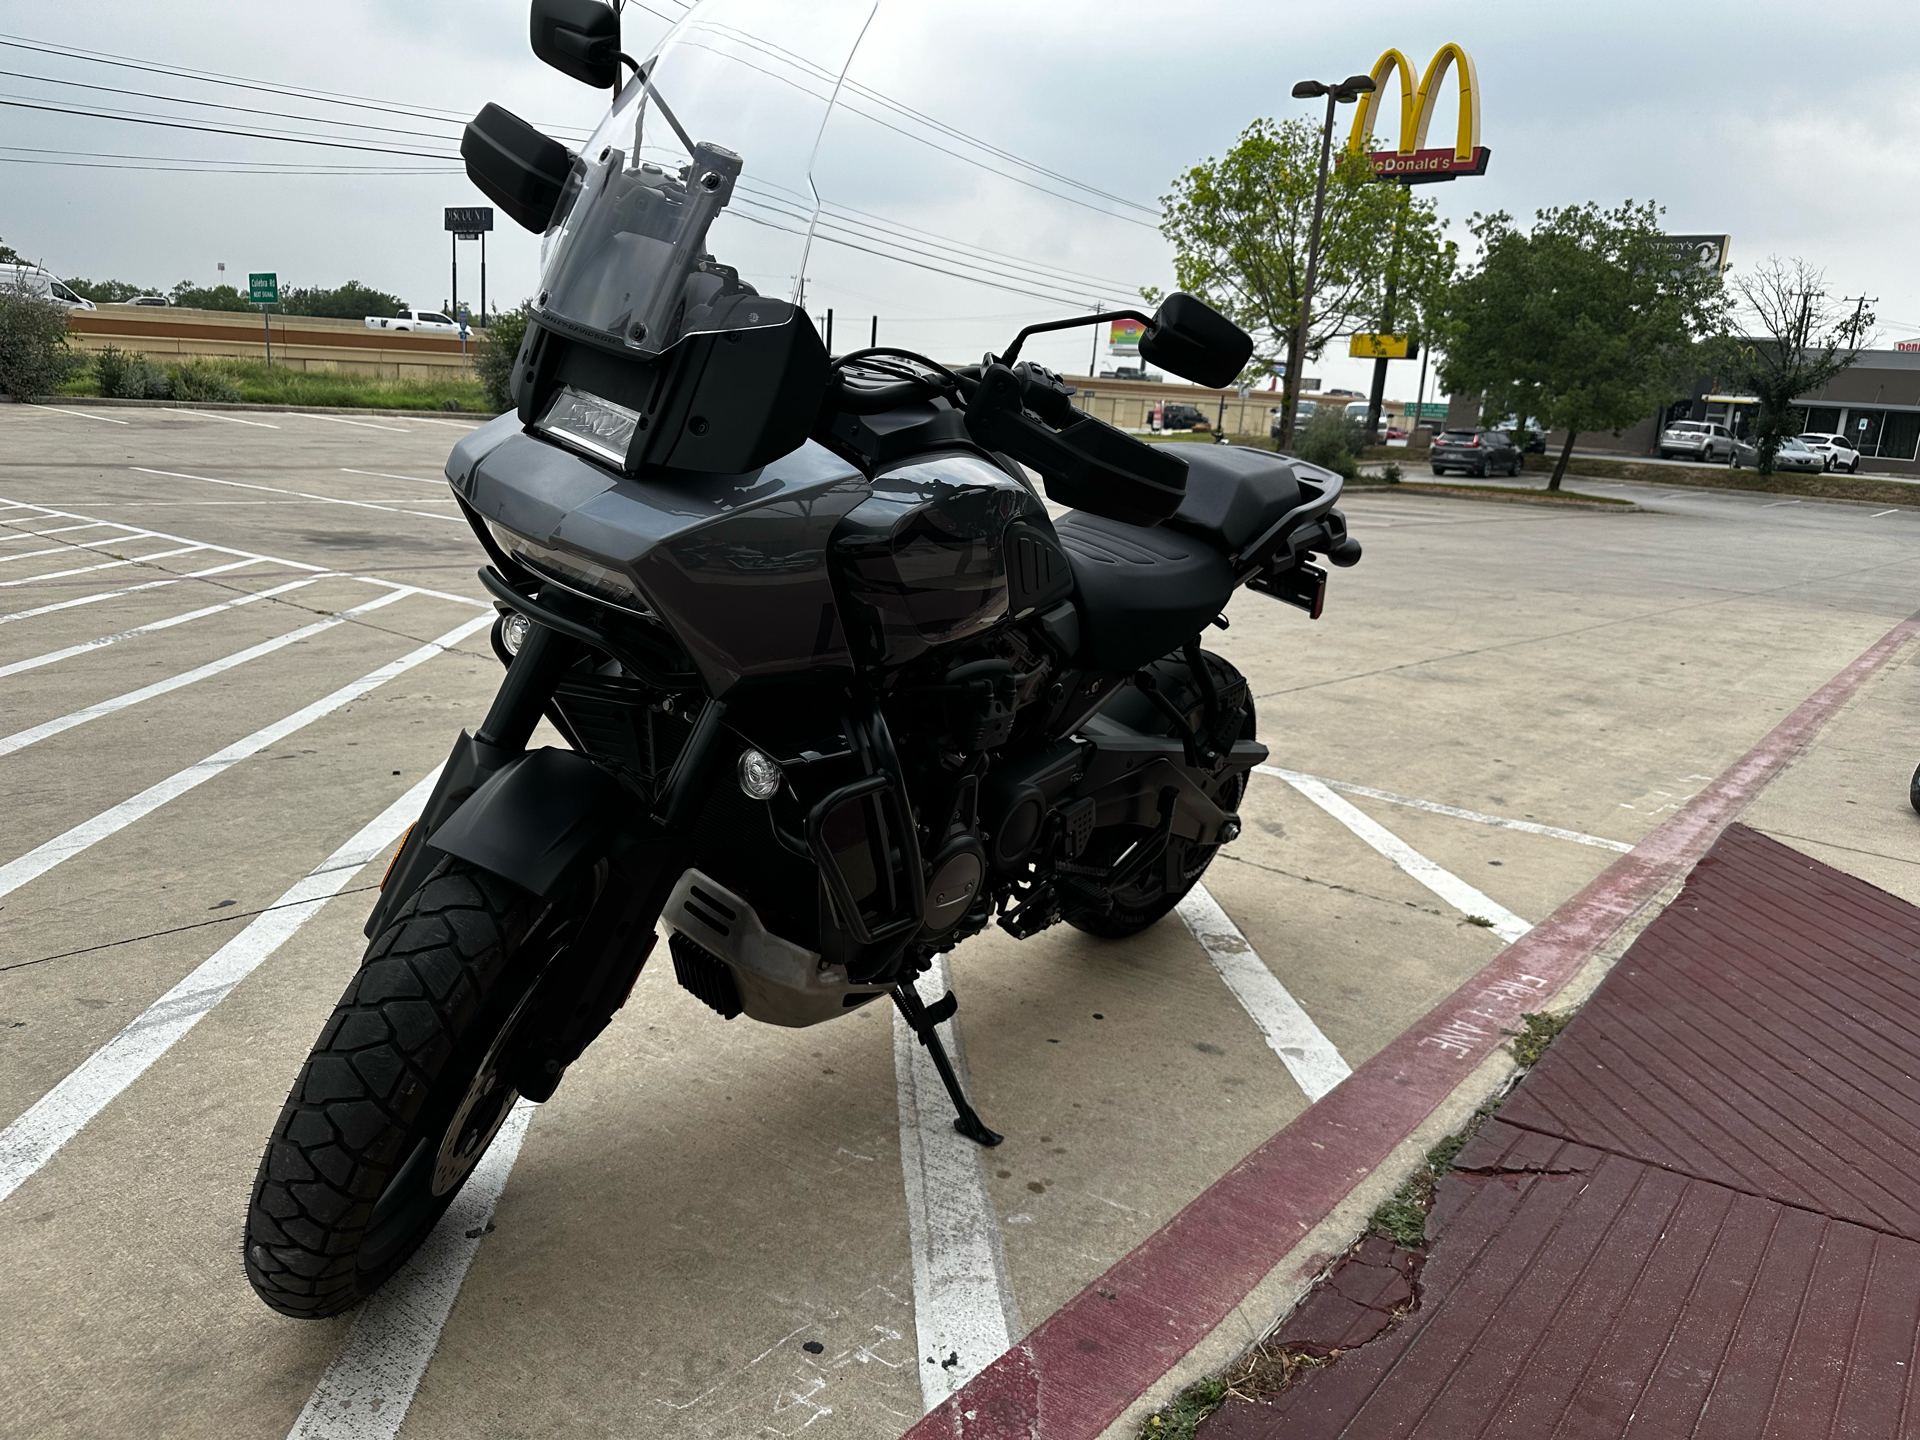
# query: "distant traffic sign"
(469, 219)
(263, 289)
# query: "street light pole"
(1352, 88)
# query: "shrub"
(34, 357)
(1390, 472)
(201, 380)
(129, 375)
(499, 345)
(1330, 439)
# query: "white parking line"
(1444, 883)
(1314, 1062)
(88, 833)
(109, 565)
(230, 419)
(129, 590)
(1878, 513)
(367, 1390)
(33, 554)
(84, 416)
(363, 424)
(134, 531)
(962, 1302)
(1432, 807)
(383, 475)
(151, 626)
(1778, 503)
(456, 424)
(34, 734)
(57, 530)
(302, 494)
(56, 1117)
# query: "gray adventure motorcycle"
(838, 692)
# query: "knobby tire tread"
(419, 1003)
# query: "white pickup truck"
(414, 320)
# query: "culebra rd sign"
(1412, 163)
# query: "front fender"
(535, 818)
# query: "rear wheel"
(1913, 790)
(1117, 914)
(398, 1100)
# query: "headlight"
(597, 426)
(575, 572)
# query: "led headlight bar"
(575, 572)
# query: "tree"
(499, 345)
(11, 256)
(1797, 340)
(351, 301)
(105, 292)
(34, 358)
(1239, 227)
(217, 297)
(1587, 323)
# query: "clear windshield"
(691, 209)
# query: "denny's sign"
(1412, 163)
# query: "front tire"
(398, 1100)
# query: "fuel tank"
(944, 547)
(802, 565)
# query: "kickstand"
(922, 1017)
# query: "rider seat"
(1144, 591)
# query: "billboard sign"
(1412, 163)
(1908, 347)
(1709, 252)
(469, 220)
(1123, 337)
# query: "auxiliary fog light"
(760, 777)
(514, 631)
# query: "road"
(231, 650)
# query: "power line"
(134, 119)
(211, 166)
(217, 105)
(308, 172)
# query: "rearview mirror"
(1196, 342)
(580, 38)
(515, 166)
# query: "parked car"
(34, 280)
(1701, 440)
(1183, 417)
(1794, 454)
(414, 320)
(1307, 409)
(1476, 452)
(149, 300)
(1835, 449)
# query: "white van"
(37, 281)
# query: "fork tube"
(523, 695)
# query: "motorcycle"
(838, 691)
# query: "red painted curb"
(1083, 1365)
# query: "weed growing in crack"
(1536, 1033)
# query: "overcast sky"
(1791, 128)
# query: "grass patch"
(256, 383)
(1864, 488)
(1177, 1419)
(1537, 1032)
(1402, 1217)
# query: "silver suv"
(1696, 440)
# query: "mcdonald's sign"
(1412, 163)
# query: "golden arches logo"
(1412, 163)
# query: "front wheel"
(398, 1100)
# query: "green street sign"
(263, 289)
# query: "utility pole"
(1860, 303)
(1093, 357)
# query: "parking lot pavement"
(725, 1230)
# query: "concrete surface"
(703, 1201)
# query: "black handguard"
(1027, 412)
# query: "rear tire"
(1149, 899)
(399, 1098)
